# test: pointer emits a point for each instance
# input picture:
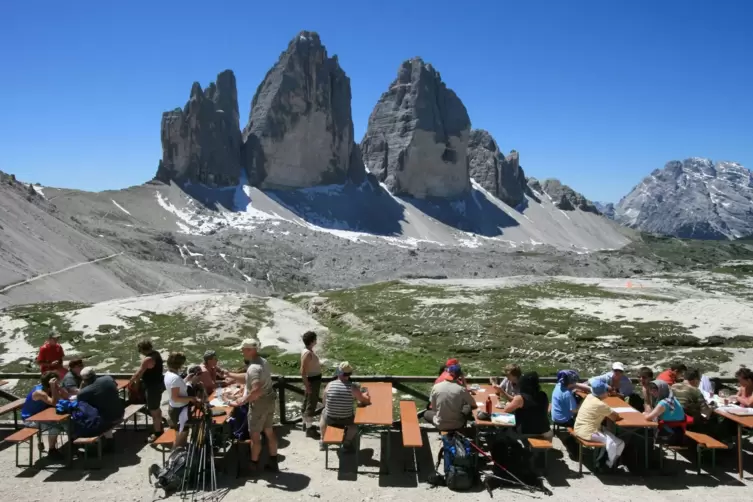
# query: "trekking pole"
(503, 468)
(212, 472)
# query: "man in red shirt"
(51, 354)
(673, 374)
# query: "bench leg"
(326, 456)
(387, 457)
(698, 448)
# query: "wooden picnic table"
(50, 416)
(632, 420)
(379, 412)
(480, 396)
(743, 422)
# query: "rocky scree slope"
(695, 198)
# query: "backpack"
(86, 420)
(459, 462)
(238, 422)
(515, 458)
(170, 476)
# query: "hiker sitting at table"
(564, 404)
(261, 398)
(444, 373)
(179, 400)
(692, 399)
(211, 373)
(509, 387)
(44, 395)
(451, 404)
(101, 393)
(50, 357)
(745, 394)
(72, 380)
(152, 382)
(673, 374)
(588, 422)
(531, 408)
(641, 398)
(339, 396)
(668, 412)
(311, 373)
(617, 381)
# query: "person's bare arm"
(253, 395)
(471, 401)
(615, 417)
(361, 397)
(654, 414)
(304, 362)
(514, 404)
(235, 377)
(176, 397)
(583, 387)
(147, 364)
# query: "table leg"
(645, 445)
(740, 450)
(70, 443)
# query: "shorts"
(153, 395)
(51, 429)
(178, 417)
(262, 413)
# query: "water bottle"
(218, 391)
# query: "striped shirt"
(339, 399)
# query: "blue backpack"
(459, 462)
(238, 423)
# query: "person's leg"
(429, 416)
(153, 402)
(316, 386)
(615, 447)
(255, 448)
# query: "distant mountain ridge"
(696, 198)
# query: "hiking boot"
(272, 465)
(322, 446)
(253, 468)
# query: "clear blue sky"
(597, 93)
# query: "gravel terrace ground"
(303, 477)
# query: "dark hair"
(45, 379)
(145, 346)
(308, 338)
(529, 384)
(693, 374)
(75, 363)
(176, 360)
(744, 373)
(678, 367)
(646, 372)
(514, 370)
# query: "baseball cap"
(451, 362)
(618, 367)
(344, 367)
(454, 371)
(250, 343)
(54, 334)
(598, 388)
(88, 373)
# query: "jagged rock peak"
(498, 174)
(300, 129)
(202, 143)
(416, 142)
(695, 198)
(562, 196)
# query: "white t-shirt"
(173, 380)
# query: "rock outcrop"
(417, 138)
(499, 175)
(696, 198)
(607, 209)
(562, 196)
(202, 143)
(300, 129)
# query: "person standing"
(150, 377)
(311, 373)
(179, 399)
(260, 397)
(50, 357)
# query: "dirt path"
(66, 269)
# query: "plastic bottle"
(218, 391)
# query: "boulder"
(202, 143)
(300, 130)
(417, 138)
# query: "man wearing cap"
(445, 375)
(591, 414)
(72, 380)
(50, 357)
(101, 393)
(260, 396)
(451, 403)
(339, 396)
(617, 381)
(211, 373)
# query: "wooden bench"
(131, 411)
(14, 407)
(166, 439)
(22, 436)
(583, 443)
(410, 430)
(540, 446)
(332, 435)
(705, 442)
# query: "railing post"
(281, 397)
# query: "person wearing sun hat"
(450, 402)
(339, 396)
(617, 381)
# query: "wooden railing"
(294, 384)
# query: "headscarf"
(567, 377)
(529, 384)
(598, 388)
(665, 393)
